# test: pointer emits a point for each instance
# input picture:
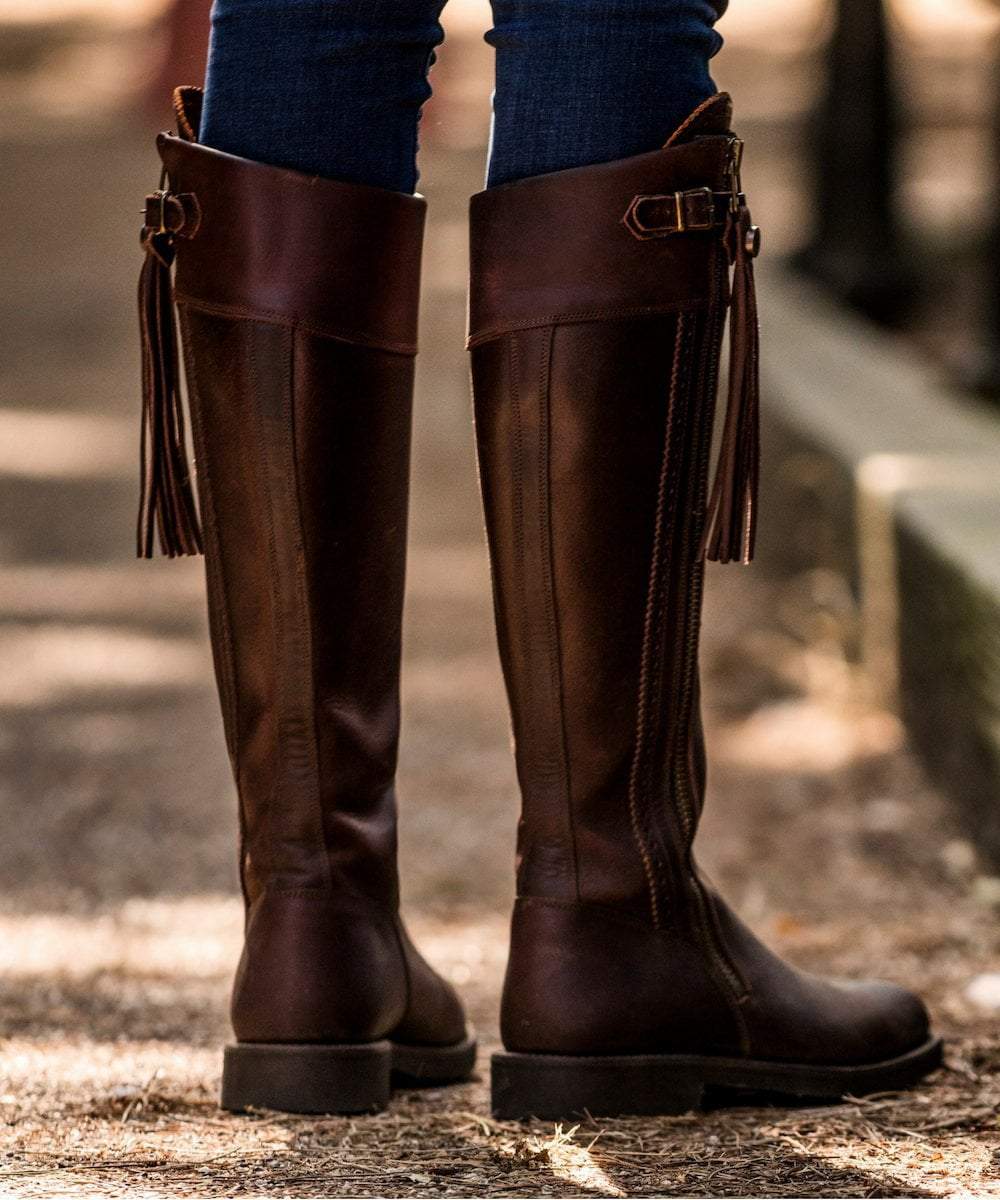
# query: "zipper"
(680, 773)
(695, 577)
(651, 660)
(734, 173)
(690, 648)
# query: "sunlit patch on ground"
(49, 663)
(65, 445)
(194, 936)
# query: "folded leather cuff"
(339, 259)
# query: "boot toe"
(891, 1021)
(794, 1016)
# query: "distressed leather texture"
(297, 300)
(595, 361)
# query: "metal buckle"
(707, 222)
(683, 221)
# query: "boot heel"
(556, 1087)
(306, 1079)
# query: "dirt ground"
(116, 956)
(120, 923)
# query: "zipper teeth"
(645, 666)
(697, 575)
(680, 766)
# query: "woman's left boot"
(297, 300)
(598, 301)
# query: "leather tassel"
(167, 508)
(731, 523)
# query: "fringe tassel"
(167, 504)
(731, 524)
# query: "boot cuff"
(604, 242)
(337, 259)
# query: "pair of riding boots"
(598, 302)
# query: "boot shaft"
(297, 300)
(598, 302)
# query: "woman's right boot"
(297, 299)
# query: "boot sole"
(333, 1079)
(555, 1087)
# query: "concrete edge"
(895, 482)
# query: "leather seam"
(264, 466)
(231, 696)
(215, 570)
(290, 409)
(513, 368)
(267, 815)
(724, 974)
(680, 384)
(615, 914)
(271, 317)
(662, 564)
(360, 902)
(407, 976)
(548, 584)
(584, 317)
(514, 373)
(649, 632)
(711, 102)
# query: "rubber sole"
(332, 1079)
(554, 1087)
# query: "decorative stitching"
(648, 634)
(514, 374)
(734, 987)
(291, 479)
(346, 899)
(215, 570)
(674, 428)
(712, 102)
(575, 905)
(267, 814)
(576, 318)
(269, 317)
(552, 622)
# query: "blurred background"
(852, 677)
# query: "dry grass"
(164, 1137)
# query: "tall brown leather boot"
(297, 300)
(598, 302)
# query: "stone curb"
(891, 479)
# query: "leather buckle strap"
(175, 213)
(694, 210)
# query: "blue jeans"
(335, 87)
